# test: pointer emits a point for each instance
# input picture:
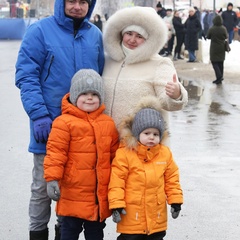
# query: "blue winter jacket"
(49, 56)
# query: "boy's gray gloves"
(116, 214)
(53, 190)
(175, 210)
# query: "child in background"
(77, 167)
(144, 177)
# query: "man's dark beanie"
(89, 2)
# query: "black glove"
(203, 35)
(175, 210)
(116, 214)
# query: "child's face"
(88, 102)
(149, 137)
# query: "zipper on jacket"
(122, 66)
(96, 195)
(75, 32)
(49, 68)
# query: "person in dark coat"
(97, 21)
(198, 14)
(217, 33)
(230, 21)
(193, 26)
(161, 11)
(210, 18)
(180, 35)
(206, 23)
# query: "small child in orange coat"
(77, 166)
(144, 177)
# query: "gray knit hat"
(84, 81)
(147, 118)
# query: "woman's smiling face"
(132, 39)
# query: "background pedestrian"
(193, 27)
(97, 21)
(229, 21)
(180, 35)
(217, 34)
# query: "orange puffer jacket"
(80, 149)
(142, 183)
(143, 180)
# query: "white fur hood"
(145, 17)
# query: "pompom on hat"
(136, 28)
(159, 5)
(84, 81)
(147, 118)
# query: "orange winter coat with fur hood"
(80, 149)
(143, 180)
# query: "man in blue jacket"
(229, 21)
(52, 51)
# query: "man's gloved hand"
(175, 210)
(116, 214)
(53, 190)
(41, 129)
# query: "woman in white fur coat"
(133, 68)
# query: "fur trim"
(125, 128)
(145, 17)
(137, 29)
(126, 136)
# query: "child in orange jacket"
(144, 178)
(80, 148)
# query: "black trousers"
(218, 69)
(180, 40)
(170, 44)
(154, 236)
(71, 228)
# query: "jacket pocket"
(161, 209)
(134, 210)
(49, 68)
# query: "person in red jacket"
(144, 177)
(77, 166)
